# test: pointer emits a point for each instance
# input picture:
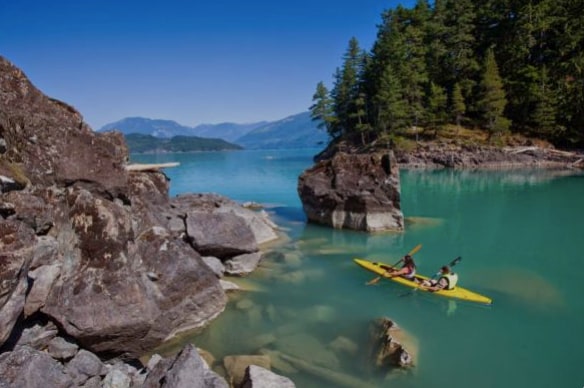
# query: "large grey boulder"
(353, 191)
(29, 368)
(124, 293)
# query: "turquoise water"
(520, 237)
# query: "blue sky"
(190, 61)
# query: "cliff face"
(84, 244)
(353, 191)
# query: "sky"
(191, 61)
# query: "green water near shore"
(519, 234)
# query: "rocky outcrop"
(353, 191)
(96, 260)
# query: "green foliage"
(493, 99)
(391, 106)
(425, 53)
(322, 109)
(458, 105)
(437, 101)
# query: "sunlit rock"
(236, 366)
(258, 377)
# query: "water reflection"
(459, 181)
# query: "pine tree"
(346, 88)
(493, 100)
(458, 105)
(543, 117)
(437, 101)
(412, 66)
(322, 109)
(391, 106)
(359, 115)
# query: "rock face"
(353, 191)
(95, 250)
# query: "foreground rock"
(353, 191)
(95, 259)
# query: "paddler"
(408, 270)
(446, 281)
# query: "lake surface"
(521, 239)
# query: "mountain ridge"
(294, 131)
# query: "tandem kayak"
(456, 293)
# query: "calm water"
(521, 239)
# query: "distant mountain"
(226, 131)
(297, 131)
(169, 128)
(139, 143)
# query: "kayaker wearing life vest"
(408, 270)
(446, 281)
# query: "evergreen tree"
(461, 62)
(436, 36)
(458, 105)
(346, 88)
(493, 99)
(359, 115)
(437, 102)
(391, 106)
(412, 66)
(322, 109)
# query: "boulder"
(36, 335)
(243, 264)
(222, 235)
(386, 351)
(62, 349)
(16, 240)
(29, 368)
(84, 366)
(48, 143)
(258, 377)
(236, 366)
(353, 191)
(186, 370)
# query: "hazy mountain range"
(296, 131)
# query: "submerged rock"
(386, 350)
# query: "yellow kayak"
(457, 292)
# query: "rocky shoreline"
(454, 156)
(97, 264)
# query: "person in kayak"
(446, 281)
(408, 270)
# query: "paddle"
(414, 250)
(451, 264)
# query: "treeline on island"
(139, 143)
(504, 66)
